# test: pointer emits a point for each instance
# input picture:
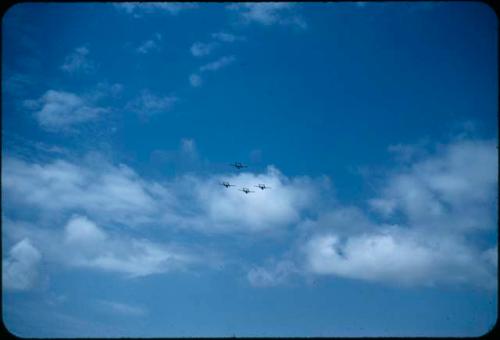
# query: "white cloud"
(82, 243)
(224, 210)
(199, 49)
(81, 230)
(268, 13)
(218, 64)
(399, 257)
(454, 189)
(195, 80)
(138, 8)
(437, 201)
(116, 194)
(147, 103)
(139, 258)
(77, 61)
(431, 210)
(57, 110)
(20, 269)
(107, 192)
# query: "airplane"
(239, 165)
(262, 186)
(246, 190)
(227, 184)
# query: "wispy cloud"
(195, 80)
(218, 64)
(150, 45)
(139, 8)
(122, 308)
(78, 61)
(273, 274)
(148, 103)
(57, 110)
(17, 84)
(268, 13)
(226, 37)
(199, 49)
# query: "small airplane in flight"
(227, 184)
(246, 190)
(262, 186)
(239, 165)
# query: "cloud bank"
(420, 228)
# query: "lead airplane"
(239, 165)
(262, 186)
(246, 190)
(227, 184)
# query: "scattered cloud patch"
(188, 146)
(57, 110)
(268, 13)
(218, 64)
(105, 90)
(137, 9)
(195, 80)
(199, 49)
(20, 268)
(150, 45)
(77, 61)
(147, 103)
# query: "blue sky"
(374, 124)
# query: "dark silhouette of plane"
(239, 165)
(227, 184)
(262, 186)
(246, 190)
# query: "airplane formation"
(239, 166)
